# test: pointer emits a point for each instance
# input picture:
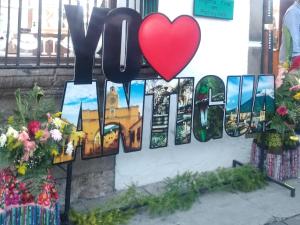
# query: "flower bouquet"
(285, 122)
(280, 141)
(29, 141)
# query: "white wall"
(223, 51)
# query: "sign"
(203, 109)
(200, 110)
(222, 9)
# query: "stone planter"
(281, 166)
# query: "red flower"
(22, 186)
(12, 186)
(282, 111)
(12, 198)
(54, 194)
(26, 198)
(33, 127)
(44, 199)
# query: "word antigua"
(201, 109)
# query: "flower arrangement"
(15, 192)
(285, 122)
(34, 135)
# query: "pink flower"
(33, 127)
(23, 136)
(54, 193)
(22, 186)
(295, 88)
(282, 111)
(56, 135)
(29, 146)
(12, 198)
(26, 156)
(45, 136)
(47, 187)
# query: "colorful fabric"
(278, 166)
(30, 215)
(19, 206)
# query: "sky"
(265, 85)
(88, 94)
(136, 93)
(74, 95)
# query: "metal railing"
(35, 34)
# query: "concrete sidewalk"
(270, 206)
(294, 220)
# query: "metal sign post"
(65, 215)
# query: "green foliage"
(244, 179)
(179, 193)
(118, 210)
(158, 139)
(274, 142)
(183, 190)
(31, 106)
(95, 217)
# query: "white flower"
(56, 134)
(57, 122)
(70, 148)
(3, 140)
(12, 132)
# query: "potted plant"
(280, 141)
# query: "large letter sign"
(168, 47)
(121, 56)
(209, 108)
(84, 45)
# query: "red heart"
(169, 46)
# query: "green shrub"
(179, 193)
